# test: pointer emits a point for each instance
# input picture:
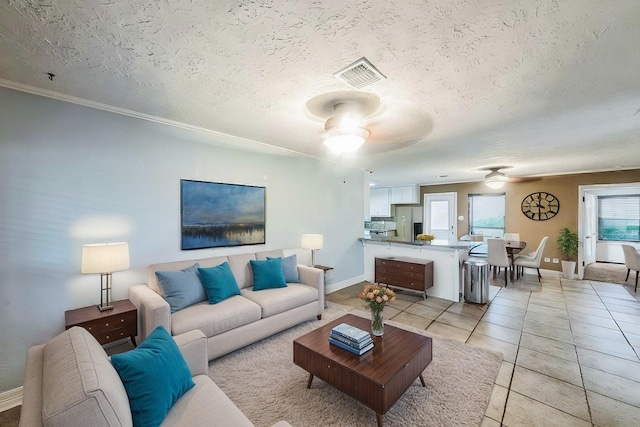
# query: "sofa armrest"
(153, 310)
(193, 346)
(31, 411)
(313, 277)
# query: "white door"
(588, 226)
(440, 211)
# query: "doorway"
(440, 212)
(591, 250)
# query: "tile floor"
(570, 347)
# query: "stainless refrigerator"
(408, 222)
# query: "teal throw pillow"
(267, 274)
(219, 282)
(290, 268)
(181, 288)
(154, 375)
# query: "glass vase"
(377, 322)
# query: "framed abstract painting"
(214, 214)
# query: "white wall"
(71, 175)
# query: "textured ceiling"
(544, 86)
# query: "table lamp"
(313, 242)
(105, 258)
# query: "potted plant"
(568, 247)
(425, 238)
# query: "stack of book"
(351, 339)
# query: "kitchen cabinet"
(379, 202)
(408, 194)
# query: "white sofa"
(237, 321)
(70, 382)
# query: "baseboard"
(10, 399)
(344, 284)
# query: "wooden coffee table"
(377, 378)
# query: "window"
(619, 218)
(486, 214)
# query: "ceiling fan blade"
(397, 126)
(518, 180)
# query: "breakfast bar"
(445, 255)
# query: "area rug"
(267, 386)
(610, 273)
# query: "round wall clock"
(540, 206)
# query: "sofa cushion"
(205, 404)
(275, 301)
(290, 268)
(219, 282)
(217, 318)
(79, 383)
(267, 274)
(275, 253)
(239, 264)
(182, 288)
(155, 376)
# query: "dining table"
(514, 247)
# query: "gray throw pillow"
(290, 268)
(182, 288)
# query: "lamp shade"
(312, 241)
(105, 257)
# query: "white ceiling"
(544, 86)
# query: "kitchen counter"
(446, 256)
(435, 244)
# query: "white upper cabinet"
(379, 202)
(408, 194)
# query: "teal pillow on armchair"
(154, 375)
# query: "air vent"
(359, 74)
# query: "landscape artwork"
(216, 214)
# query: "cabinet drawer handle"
(107, 336)
(88, 328)
(121, 320)
(106, 324)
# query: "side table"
(325, 269)
(106, 326)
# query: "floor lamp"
(313, 242)
(105, 258)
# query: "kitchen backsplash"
(380, 224)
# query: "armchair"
(632, 261)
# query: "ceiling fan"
(496, 179)
(354, 119)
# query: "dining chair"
(512, 237)
(533, 259)
(497, 257)
(632, 261)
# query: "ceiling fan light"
(495, 183)
(342, 141)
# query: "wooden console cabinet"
(407, 273)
